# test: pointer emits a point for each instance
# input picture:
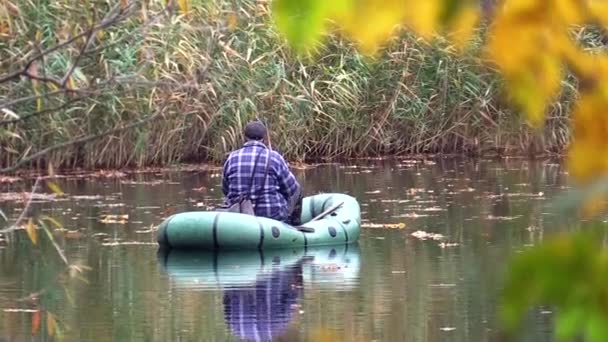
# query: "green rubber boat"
(213, 230)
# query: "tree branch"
(79, 141)
(113, 17)
(25, 209)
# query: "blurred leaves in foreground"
(534, 46)
(569, 273)
(531, 42)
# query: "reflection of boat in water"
(261, 290)
(330, 266)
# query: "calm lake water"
(391, 286)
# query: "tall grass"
(223, 64)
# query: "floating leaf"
(36, 318)
(55, 188)
(422, 235)
(31, 231)
(50, 324)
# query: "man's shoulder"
(277, 156)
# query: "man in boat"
(273, 190)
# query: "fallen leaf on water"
(422, 235)
(413, 215)
(26, 196)
(8, 179)
(115, 219)
(31, 231)
(50, 324)
(442, 285)
(87, 197)
(55, 188)
(100, 234)
(433, 209)
(127, 243)
(35, 321)
(502, 218)
(400, 225)
(21, 310)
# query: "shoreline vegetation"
(199, 78)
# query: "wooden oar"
(326, 212)
(318, 217)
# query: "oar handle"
(326, 212)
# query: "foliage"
(569, 273)
(219, 64)
(533, 68)
(534, 45)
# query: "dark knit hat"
(255, 130)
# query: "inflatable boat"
(213, 230)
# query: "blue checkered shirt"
(269, 199)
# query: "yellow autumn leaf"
(232, 21)
(55, 188)
(587, 155)
(423, 16)
(31, 231)
(463, 25)
(184, 6)
(599, 8)
(570, 11)
(50, 324)
(371, 22)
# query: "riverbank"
(362, 162)
(201, 77)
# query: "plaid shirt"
(269, 199)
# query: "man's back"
(270, 198)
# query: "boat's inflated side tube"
(211, 230)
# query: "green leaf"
(56, 223)
(302, 22)
(569, 322)
(597, 328)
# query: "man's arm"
(225, 177)
(288, 184)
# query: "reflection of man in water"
(263, 312)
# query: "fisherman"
(257, 173)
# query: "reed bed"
(222, 64)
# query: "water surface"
(391, 286)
